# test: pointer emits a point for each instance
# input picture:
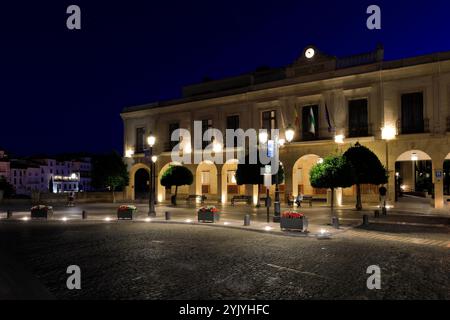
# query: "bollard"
(9, 214)
(365, 220)
(168, 215)
(84, 215)
(384, 211)
(376, 213)
(246, 220)
(335, 222)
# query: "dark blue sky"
(62, 91)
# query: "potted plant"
(293, 220)
(41, 212)
(208, 214)
(125, 212)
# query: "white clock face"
(309, 53)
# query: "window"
(231, 177)
(269, 120)
(205, 178)
(172, 128)
(206, 124)
(140, 140)
(233, 124)
(412, 120)
(310, 122)
(358, 125)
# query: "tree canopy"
(251, 174)
(109, 171)
(366, 165)
(367, 169)
(177, 176)
(333, 172)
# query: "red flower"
(292, 215)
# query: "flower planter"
(126, 212)
(41, 212)
(294, 221)
(208, 214)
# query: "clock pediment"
(311, 61)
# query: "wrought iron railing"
(410, 128)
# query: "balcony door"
(412, 120)
(358, 124)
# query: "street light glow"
(129, 153)
(151, 140)
(267, 228)
(289, 133)
(388, 133)
(414, 157)
(339, 139)
(217, 147)
(263, 136)
(154, 159)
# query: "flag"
(312, 122)
(297, 118)
(330, 126)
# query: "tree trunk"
(332, 202)
(358, 198)
(175, 198)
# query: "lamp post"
(151, 140)
(289, 134)
(388, 133)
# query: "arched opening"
(206, 180)
(163, 193)
(300, 177)
(230, 187)
(413, 178)
(141, 184)
(446, 176)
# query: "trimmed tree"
(367, 168)
(109, 172)
(251, 174)
(334, 172)
(176, 176)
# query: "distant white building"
(5, 169)
(48, 175)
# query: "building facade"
(46, 174)
(399, 109)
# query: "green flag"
(312, 122)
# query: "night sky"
(62, 91)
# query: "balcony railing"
(360, 131)
(412, 128)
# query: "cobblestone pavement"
(137, 260)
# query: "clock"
(310, 53)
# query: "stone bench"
(246, 199)
(196, 197)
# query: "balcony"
(360, 131)
(412, 128)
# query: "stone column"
(438, 183)
(219, 185)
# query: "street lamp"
(289, 133)
(388, 133)
(151, 140)
(263, 136)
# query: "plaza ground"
(178, 260)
